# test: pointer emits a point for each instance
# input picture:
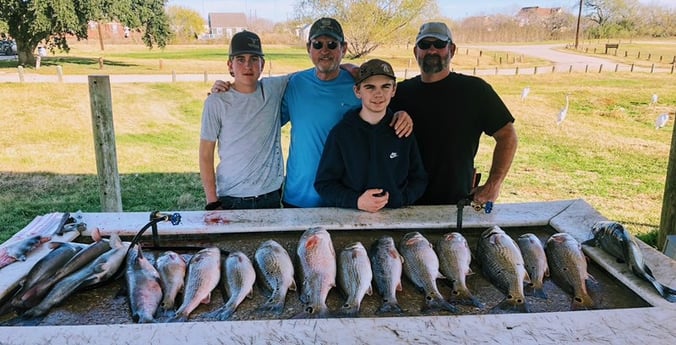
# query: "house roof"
(224, 20)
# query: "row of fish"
(516, 267)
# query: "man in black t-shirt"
(450, 112)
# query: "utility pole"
(577, 29)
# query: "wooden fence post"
(668, 218)
(59, 73)
(101, 103)
(21, 76)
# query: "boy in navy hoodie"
(364, 164)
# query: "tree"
(185, 24)
(367, 24)
(613, 17)
(31, 22)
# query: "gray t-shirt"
(248, 130)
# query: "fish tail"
(390, 307)
(438, 303)
(514, 304)
(537, 291)
(465, 297)
(272, 305)
(668, 293)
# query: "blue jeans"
(269, 200)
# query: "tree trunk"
(25, 51)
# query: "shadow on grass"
(24, 196)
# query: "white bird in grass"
(661, 120)
(653, 100)
(562, 113)
(524, 93)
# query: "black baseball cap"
(375, 67)
(327, 27)
(245, 42)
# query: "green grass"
(607, 152)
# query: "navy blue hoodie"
(359, 156)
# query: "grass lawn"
(607, 152)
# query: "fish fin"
(369, 291)
(251, 293)
(440, 276)
(547, 271)
(206, 299)
(526, 278)
(469, 271)
(293, 286)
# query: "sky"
(282, 10)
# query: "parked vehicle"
(7, 47)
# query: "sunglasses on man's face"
(319, 45)
(438, 44)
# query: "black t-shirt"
(449, 117)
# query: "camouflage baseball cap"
(327, 27)
(375, 67)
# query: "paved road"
(559, 62)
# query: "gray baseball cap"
(437, 30)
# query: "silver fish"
(387, 266)
(613, 238)
(318, 270)
(455, 258)
(421, 266)
(536, 262)
(239, 279)
(171, 267)
(45, 268)
(502, 263)
(143, 286)
(568, 268)
(202, 276)
(83, 257)
(18, 250)
(276, 273)
(99, 270)
(355, 276)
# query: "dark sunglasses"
(330, 44)
(438, 44)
